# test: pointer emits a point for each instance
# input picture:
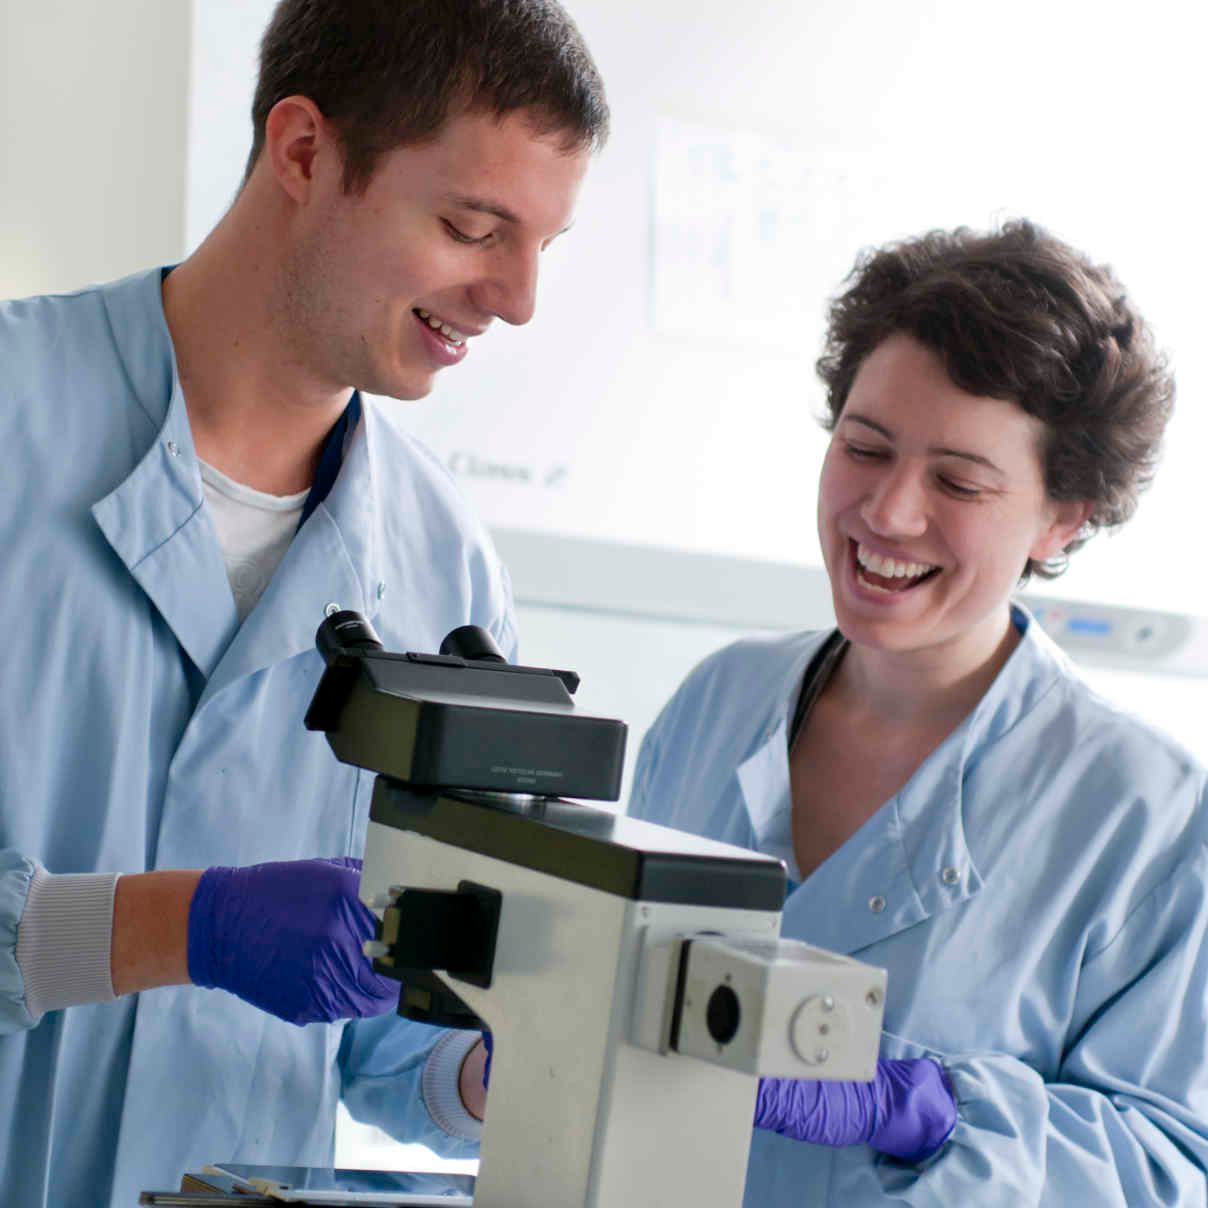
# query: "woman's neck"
(938, 685)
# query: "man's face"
(384, 289)
(931, 501)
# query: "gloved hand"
(286, 937)
(907, 1111)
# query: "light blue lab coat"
(141, 727)
(1036, 892)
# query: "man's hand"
(907, 1111)
(286, 937)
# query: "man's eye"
(460, 236)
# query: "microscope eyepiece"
(472, 642)
(343, 632)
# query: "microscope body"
(579, 1114)
(632, 976)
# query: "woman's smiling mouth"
(889, 575)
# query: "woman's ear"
(1066, 519)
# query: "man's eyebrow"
(935, 450)
(483, 205)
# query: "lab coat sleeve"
(645, 767)
(1125, 1120)
(382, 1063)
(503, 628)
(16, 873)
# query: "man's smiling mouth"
(450, 333)
(890, 575)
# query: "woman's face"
(931, 501)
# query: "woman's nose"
(896, 504)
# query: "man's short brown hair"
(388, 73)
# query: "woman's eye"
(460, 236)
(959, 489)
(864, 453)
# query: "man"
(193, 481)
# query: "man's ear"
(1066, 518)
(299, 144)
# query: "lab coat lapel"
(906, 863)
(333, 561)
(862, 894)
(154, 519)
(763, 776)
(764, 780)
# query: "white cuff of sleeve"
(442, 1096)
(64, 940)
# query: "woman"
(952, 802)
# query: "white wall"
(93, 101)
(648, 405)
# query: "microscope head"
(460, 719)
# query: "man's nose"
(897, 504)
(511, 290)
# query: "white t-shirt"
(254, 531)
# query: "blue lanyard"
(332, 457)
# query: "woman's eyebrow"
(977, 458)
(856, 418)
(934, 451)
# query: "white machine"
(632, 976)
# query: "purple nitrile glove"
(907, 1111)
(286, 937)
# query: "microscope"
(632, 976)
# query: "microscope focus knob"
(472, 642)
(820, 1026)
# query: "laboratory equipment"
(632, 976)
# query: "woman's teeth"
(891, 568)
(450, 333)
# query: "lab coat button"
(950, 876)
(381, 590)
(876, 904)
(173, 448)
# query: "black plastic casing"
(440, 721)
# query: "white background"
(610, 416)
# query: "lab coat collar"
(154, 519)
(156, 522)
(911, 859)
(331, 564)
(764, 776)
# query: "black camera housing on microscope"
(460, 719)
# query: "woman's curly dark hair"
(1017, 314)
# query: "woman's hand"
(907, 1111)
